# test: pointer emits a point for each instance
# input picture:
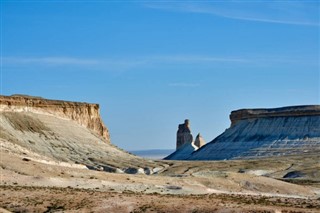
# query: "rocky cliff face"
(265, 132)
(84, 114)
(291, 111)
(69, 133)
(185, 144)
(184, 135)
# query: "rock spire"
(184, 135)
(199, 141)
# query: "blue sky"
(151, 64)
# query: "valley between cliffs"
(56, 156)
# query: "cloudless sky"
(152, 64)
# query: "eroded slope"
(256, 133)
(85, 114)
(66, 141)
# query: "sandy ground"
(52, 199)
(33, 186)
(42, 169)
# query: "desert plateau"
(56, 156)
(160, 106)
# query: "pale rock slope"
(183, 152)
(70, 132)
(185, 143)
(85, 114)
(258, 133)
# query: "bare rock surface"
(183, 152)
(67, 132)
(84, 114)
(199, 141)
(184, 135)
(64, 141)
(290, 111)
(185, 144)
(256, 133)
(51, 163)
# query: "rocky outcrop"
(291, 111)
(199, 141)
(184, 135)
(185, 144)
(84, 114)
(258, 133)
(70, 133)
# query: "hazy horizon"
(150, 65)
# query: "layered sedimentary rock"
(185, 144)
(184, 135)
(291, 111)
(84, 114)
(265, 132)
(70, 133)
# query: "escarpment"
(258, 133)
(84, 114)
(291, 111)
(57, 132)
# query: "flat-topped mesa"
(256, 133)
(85, 114)
(292, 111)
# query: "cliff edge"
(255, 133)
(85, 114)
(63, 133)
(291, 111)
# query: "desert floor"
(29, 184)
(67, 199)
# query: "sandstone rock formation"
(185, 144)
(258, 133)
(84, 114)
(65, 132)
(184, 135)
(199, 141)
(291, 111)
